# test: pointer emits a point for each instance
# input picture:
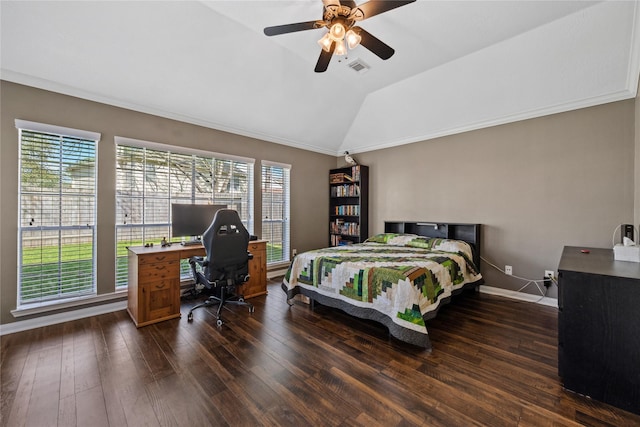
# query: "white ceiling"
(459, 65)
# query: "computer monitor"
(189, 221)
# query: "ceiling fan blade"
(291, 28)
(331, 3)
(324, 59)
(351, 4)
(374, 44)
(376, 7)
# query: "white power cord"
(529, 281)
(613, 237)
(615, 230)
(553, 279)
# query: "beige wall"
(309, 188)
(535, 185)
(636, 222)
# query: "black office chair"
(226, 264)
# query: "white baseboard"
(551, 302)
(66, 316)
(80, 313)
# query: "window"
(150, 177)
(275, 210)
(57, 213)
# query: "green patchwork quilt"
(399, 280)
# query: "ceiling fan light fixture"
(337, 31)
(325, 42)
(343, 34)
(353, 39)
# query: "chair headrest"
(227, 222)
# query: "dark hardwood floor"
(494, 363)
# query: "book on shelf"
(355, 173)
(339, 178)
(350, 210)
(346, 190)
(339, 226)
(336, 226)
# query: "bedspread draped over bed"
(399, 280)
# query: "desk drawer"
(188, 252)
(158, 258)
(152, 272)
(255, 247)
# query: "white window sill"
(47, 307)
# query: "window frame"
(191, 196)
(282, 244)
(74, 147)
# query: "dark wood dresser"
(599, 326)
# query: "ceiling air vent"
(358, 65)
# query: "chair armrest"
(198, 260)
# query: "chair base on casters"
(221, 301)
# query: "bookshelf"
(348, 205)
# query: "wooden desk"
(154, 279)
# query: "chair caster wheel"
(219, 322)
(241, 299)
(252, 309)
(190, 317)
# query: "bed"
(399, 278)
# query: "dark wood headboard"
(470, 233)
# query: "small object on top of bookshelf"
(340, 177)
(348, 205)
(336, 178)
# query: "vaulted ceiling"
(458, 65)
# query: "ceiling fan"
(340, 18)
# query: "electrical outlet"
(294, 252)
(549, 276)
(508, 270)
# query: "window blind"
(57, 212)
(275, 181)
(150, 177)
